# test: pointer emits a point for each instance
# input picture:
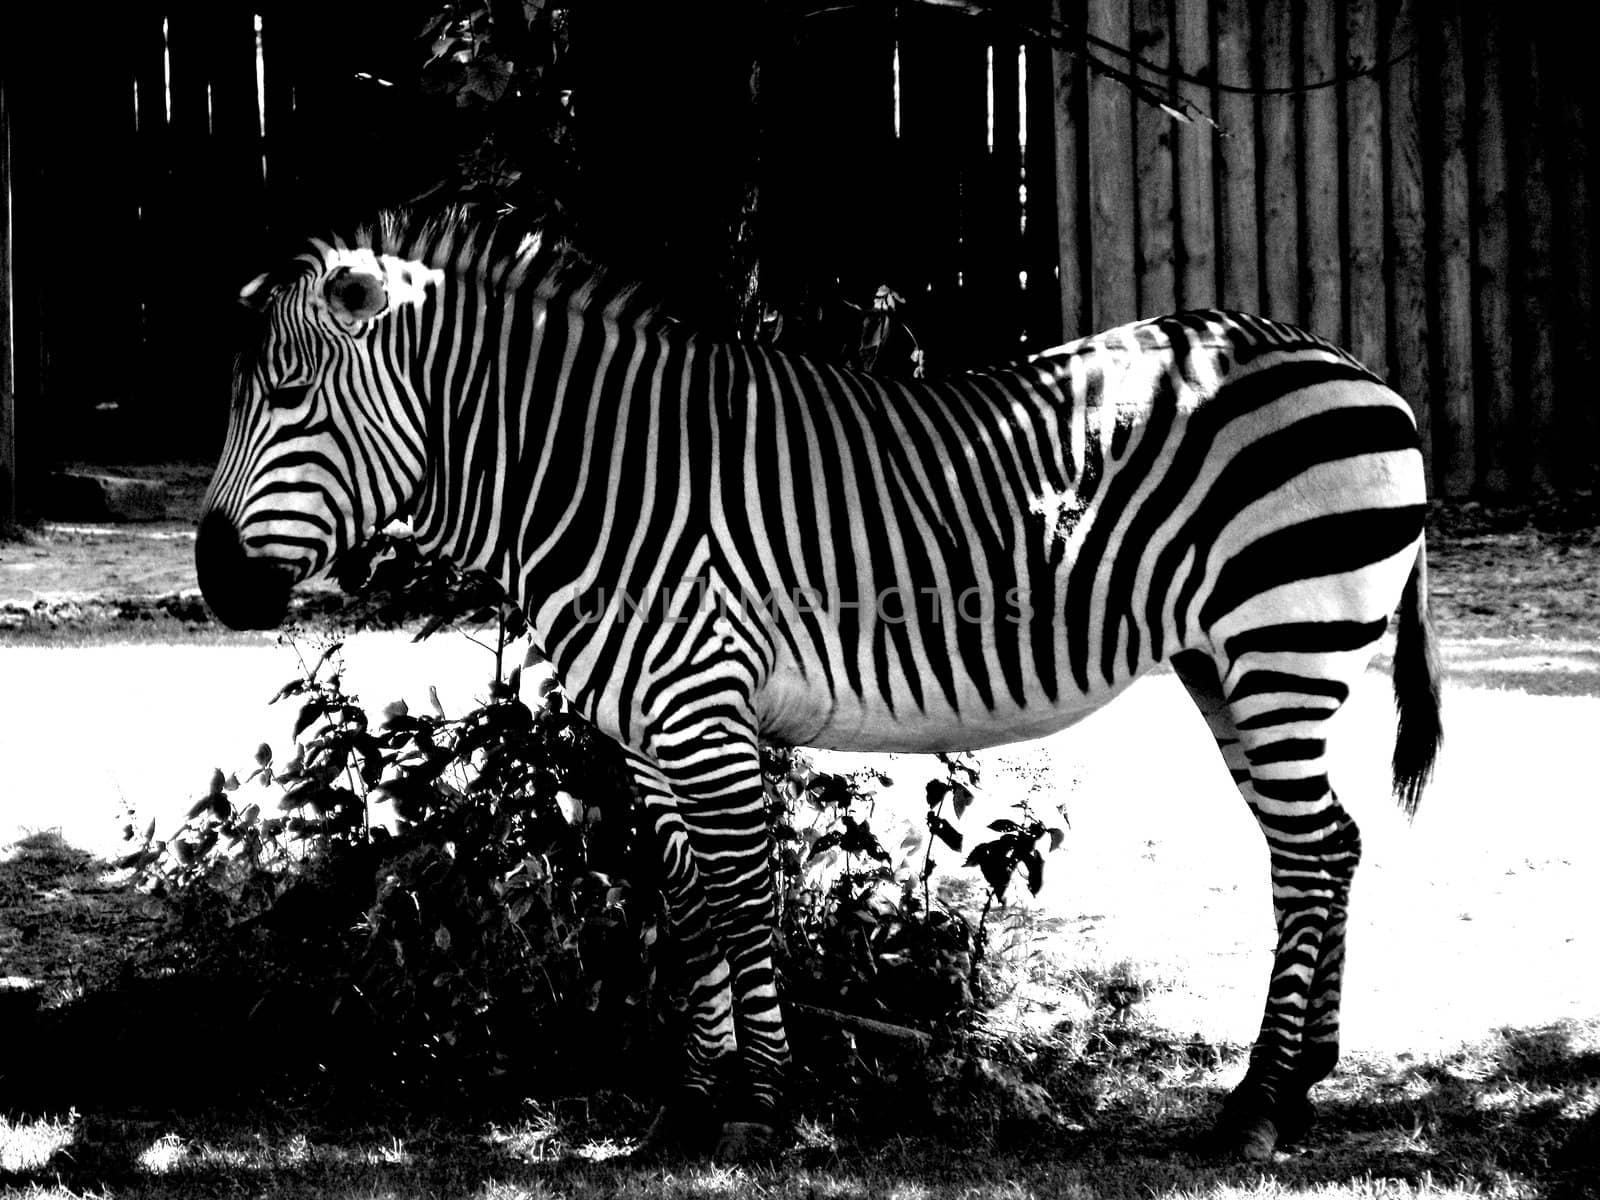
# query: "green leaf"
(310, 711)
(332, 649)
(945, 832)
(961, 798)
(263, 755)
(1034, 861)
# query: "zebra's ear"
(253, 295)
(355, 296)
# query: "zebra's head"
(324, 439)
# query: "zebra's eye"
(292, 396)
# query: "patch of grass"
(66, 921)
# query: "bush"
(469, 897)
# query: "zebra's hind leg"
(1269, 730)
(688, 1122)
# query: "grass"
(151, 1094)
(1513, 1116)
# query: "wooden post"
(28, 258)
(1280, 199)
(1064, 89)
(1153, 133)
(1197, 230)
(8, 438)
(997, 279)
(934, 46)
(1534, 367)
(1366, 299)
(1407, 221)
(155, 187)
(1323, 282)
(1455, 436)
(1577, 414)
(1114, 296)
(1240, 273)
(1491, 275)
(281, 45)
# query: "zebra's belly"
(792, 708)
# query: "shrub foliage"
(468, 896)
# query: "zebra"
(716, 542)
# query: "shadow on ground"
(1514, 1115)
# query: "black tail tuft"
(1417, 678)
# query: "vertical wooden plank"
(152, 180)
(967, 135)
(1578, 408)
(930, 58)
(1456, 428)
(76, 170)
(1408, 324)
(827, 168)
(999, 284)
(1322, 304)
(1492, 281)
(1239, 276)
(1057, 117)
(8, 434)
(1153, 133)
(113, 152)
(1532, 317)
(1366, 298)
(30, 134)
(1114, 295)
(236, 127)
(280, 41)
(1280, 195)
(196, 212)
(1197, 216)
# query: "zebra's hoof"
(744, 1141)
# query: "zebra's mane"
(507, 250)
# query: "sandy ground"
(1478, 915)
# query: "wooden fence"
(153, 151)
(1432, 214)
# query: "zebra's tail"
(1417, 677)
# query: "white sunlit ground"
(1478, 915)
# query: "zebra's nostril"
(244, 592)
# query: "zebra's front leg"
(722, 871)
(718, 779)
(689, 1120)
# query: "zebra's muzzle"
(244, 592)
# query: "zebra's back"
(991, 557)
